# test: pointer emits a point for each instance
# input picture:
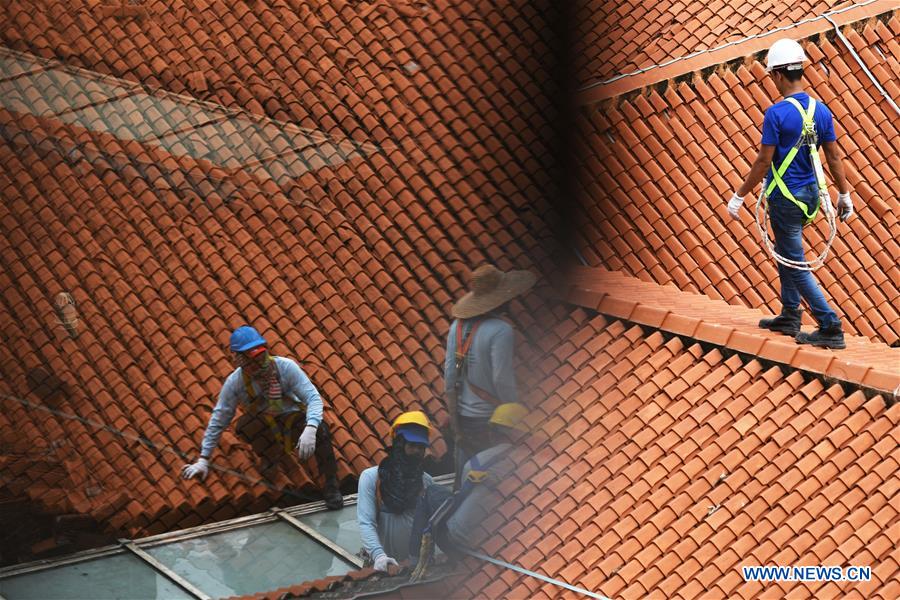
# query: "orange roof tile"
(666, 42)
(680, 521)
(864, 362)
(170, 220)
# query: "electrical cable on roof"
(403, 584)
(723, 46)
(524, 571)
(862, 65)
(139, 439)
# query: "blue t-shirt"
(782, 127)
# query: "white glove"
(198, 469)
(734, 205)
(383, 561)
(845, 206)
(306, 445)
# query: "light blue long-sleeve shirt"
(489, 364)
(296, 388)
(466, 525)
(383, 532)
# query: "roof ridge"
(873, 366)
(739, 50)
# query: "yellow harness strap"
(477, 476)
(807, 137)
(280, 438)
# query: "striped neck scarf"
(267, 377)
(270, 383)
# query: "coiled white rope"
(762, 224)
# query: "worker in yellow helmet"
(388, 493)
(454, 520)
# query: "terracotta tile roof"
(442, 582)
(667, 466)
(311, 587)
(457, 92)
(658, 167)
(165, 245)
(869, 364)
(620, 38)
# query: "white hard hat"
(783, 53)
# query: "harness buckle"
(477, 476)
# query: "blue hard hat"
(245, 338)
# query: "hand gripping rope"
(807, 138)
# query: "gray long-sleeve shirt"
(296, 388)
(489, 363)
(382, 532)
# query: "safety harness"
(477, 475)
(256, 403)
(461, 365)
(808, 137)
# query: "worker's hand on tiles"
(845, 206)
(383, 562)
(198, 469)
(734, 205)
(306, 445)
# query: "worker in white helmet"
(793, 193)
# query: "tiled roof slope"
(616, 38)
(310, 587)
(458, 93)
(162, 263)
(871, 365)
(667, 467)
(441, 582)
(658, 168)
(706, 60)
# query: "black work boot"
(824, 337)
(788, 322)
(332, 493)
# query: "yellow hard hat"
(510, 415)
(413, 417)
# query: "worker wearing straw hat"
(479, 373)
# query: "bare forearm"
(836, 168)
(757, 172)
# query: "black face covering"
(400, 478)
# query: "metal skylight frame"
(137, 548)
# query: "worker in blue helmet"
(282, 413)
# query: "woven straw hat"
(491, 288)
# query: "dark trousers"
(787, 225)
(428, 503)
(274, 441)
(473, 437)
